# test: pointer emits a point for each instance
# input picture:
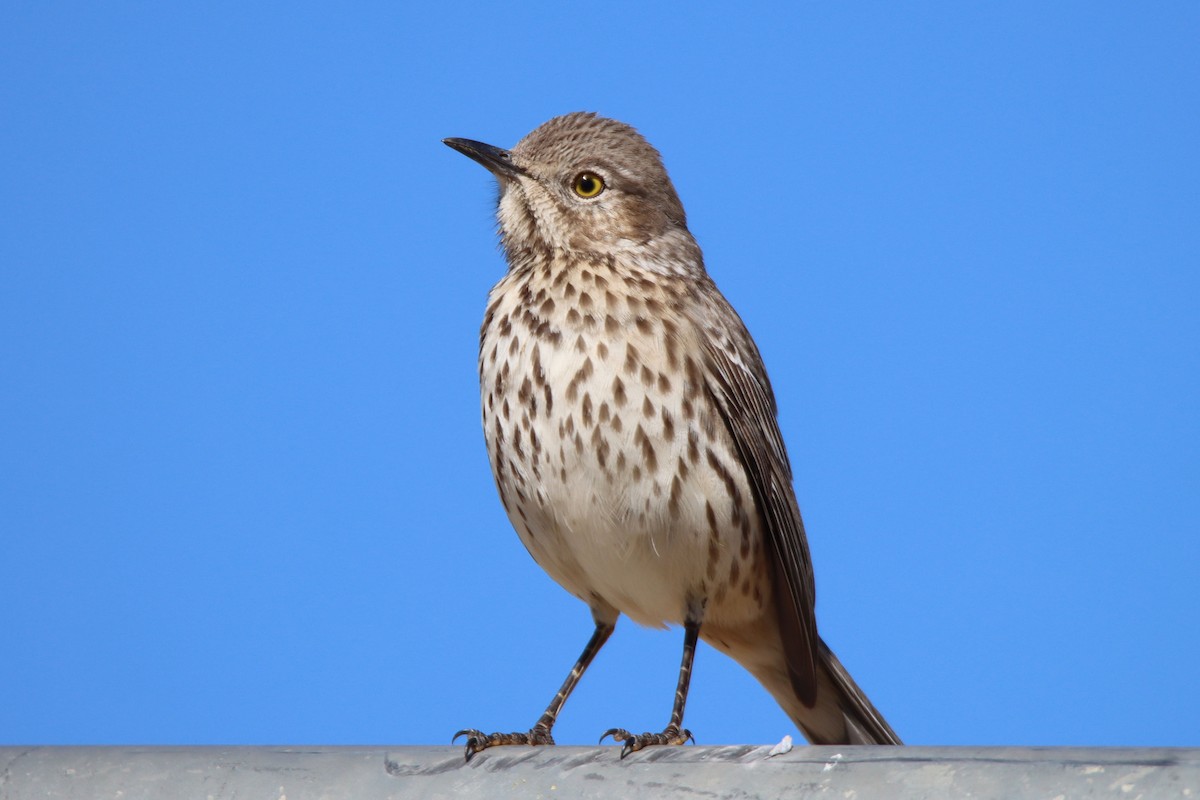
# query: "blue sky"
(243, 490)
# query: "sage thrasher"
(631, 430)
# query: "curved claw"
(478, 741)
(631, 746)
(618, 734)
(467, 732)
(631, 743)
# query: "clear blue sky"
(243, 490)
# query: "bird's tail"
(842, 714)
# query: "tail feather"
(842, 713)
(864, 723)
(838, 711)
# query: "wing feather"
(738, 384)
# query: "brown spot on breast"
(535, 362)
(585, 412)
(737, 511)
(582, 374)
(647, 376)
(573, 317)
(602, 350)
(585, 301)
(691, 370)
(600, 446)
(610, 324)
(490, 314)
(674, 497)
(648, 456)
(547, 306)
(647, 407)
(668, 430)
(714, 542)
(672, 348)
(501, 379)
(631, 358)
(618, 390)
(643, 324)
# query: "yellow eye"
(588, 184)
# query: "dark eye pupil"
(587, 184)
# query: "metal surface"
(333, 773)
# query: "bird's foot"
(672, 735)
(478, 741)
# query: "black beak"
(498, 162)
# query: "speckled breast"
(607, 453)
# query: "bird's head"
(585, 184)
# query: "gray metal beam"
(333, 773)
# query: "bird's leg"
(540, 733)
(673, 734)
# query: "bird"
(632, 431)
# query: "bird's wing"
(737, 382)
